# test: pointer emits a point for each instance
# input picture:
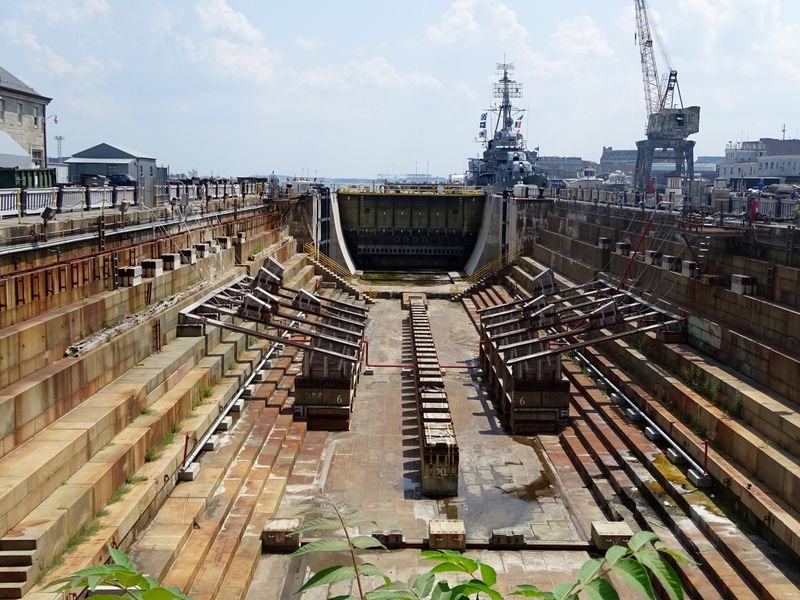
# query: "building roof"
(10, 82)
(105, 161)
(12, 154)
(105, 150)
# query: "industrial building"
(761, 162)
(105, 160)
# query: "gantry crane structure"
(668, 125)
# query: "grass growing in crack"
(86, 531)
(735, 406)
(154, 452)
(700, 430)
(145, 410)
(119, 493)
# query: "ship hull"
(410, 230)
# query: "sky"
(355, 88)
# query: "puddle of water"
(670, 471)
(448, 509)
(542, 487)
(538, 488)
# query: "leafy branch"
(120, 574)
(643, 558)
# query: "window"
(151, 171)
(36, 156)
(35, 116)
(19, 113)
(2, 110)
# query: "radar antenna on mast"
(506, 89)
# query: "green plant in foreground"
(121, 575)
(644, 557)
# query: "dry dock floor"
(375, 466)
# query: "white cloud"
(456, 24)
(217, 17)
(68, 11)
(375, 72)
(579, 35)
(235, 49)
(45, 58)
(308, 43)
(232, 61)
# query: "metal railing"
(341, 272)
(489, 269)
(409, 188)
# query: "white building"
(765, 161)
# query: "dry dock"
(153, 408)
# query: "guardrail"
(35, 200)
(203, 191)
(340, 271)
(778, 208)
(72, 197)
(124, 194)
(446, 189)
(487, 270)
(10, 201)
(99, 198)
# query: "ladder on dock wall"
(338, 272)
(485, 272)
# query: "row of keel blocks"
(438, 445)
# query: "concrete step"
(784, 520)
(186, 567)
(61, 516)
(301, 280)
(159, 546)
(300, 482)
(769, 413)
(10, 590)
(716, 550)
(274, 463)
(775, 467)
(14, 574)
(16, 558)
(619, 493)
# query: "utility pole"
(60, 138)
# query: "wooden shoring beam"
(615, 336)
(283, 301)
(266, 336)
(291, 329)
(588, 329)
(326, 303)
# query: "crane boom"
(652, 84)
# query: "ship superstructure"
(506, 160)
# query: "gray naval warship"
(400, 227)
(506, 161)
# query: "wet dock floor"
(375, 466)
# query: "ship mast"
(506, 89)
